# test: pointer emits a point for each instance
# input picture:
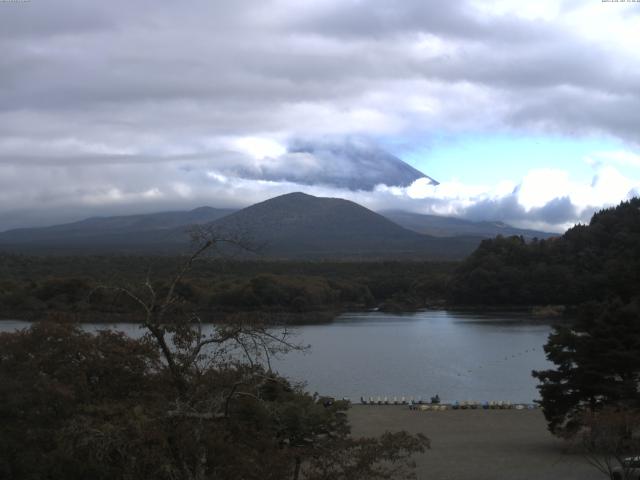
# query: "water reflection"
(459, 355)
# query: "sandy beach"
(479, 444)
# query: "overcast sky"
(525, 112)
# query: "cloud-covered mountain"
(342, 163)
(351, 164)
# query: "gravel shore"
(479, 444)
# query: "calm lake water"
(460, 356)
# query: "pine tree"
(597, 364)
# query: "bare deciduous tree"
(226, 414)
(609, 436)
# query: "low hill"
(438, 226)
(298, 224)
(294, 225)
(105, 233)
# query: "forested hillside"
(597, 261)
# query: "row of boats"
(475, 406)
(420, 404)
(396, 401)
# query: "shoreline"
(315, 317)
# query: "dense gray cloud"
(147, 63)
(123, 106)
(558, 211)
(384, 18)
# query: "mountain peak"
(294, 195)
(202, 209)
(353, 164)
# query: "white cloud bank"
(546, 199)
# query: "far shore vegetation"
(33, 288)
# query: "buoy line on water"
(465, 372)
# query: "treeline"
(598, 261)
(34, 287)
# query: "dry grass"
(479, 444)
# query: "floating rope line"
(497, 362)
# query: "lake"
(460, 356)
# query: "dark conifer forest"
(598, 261)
